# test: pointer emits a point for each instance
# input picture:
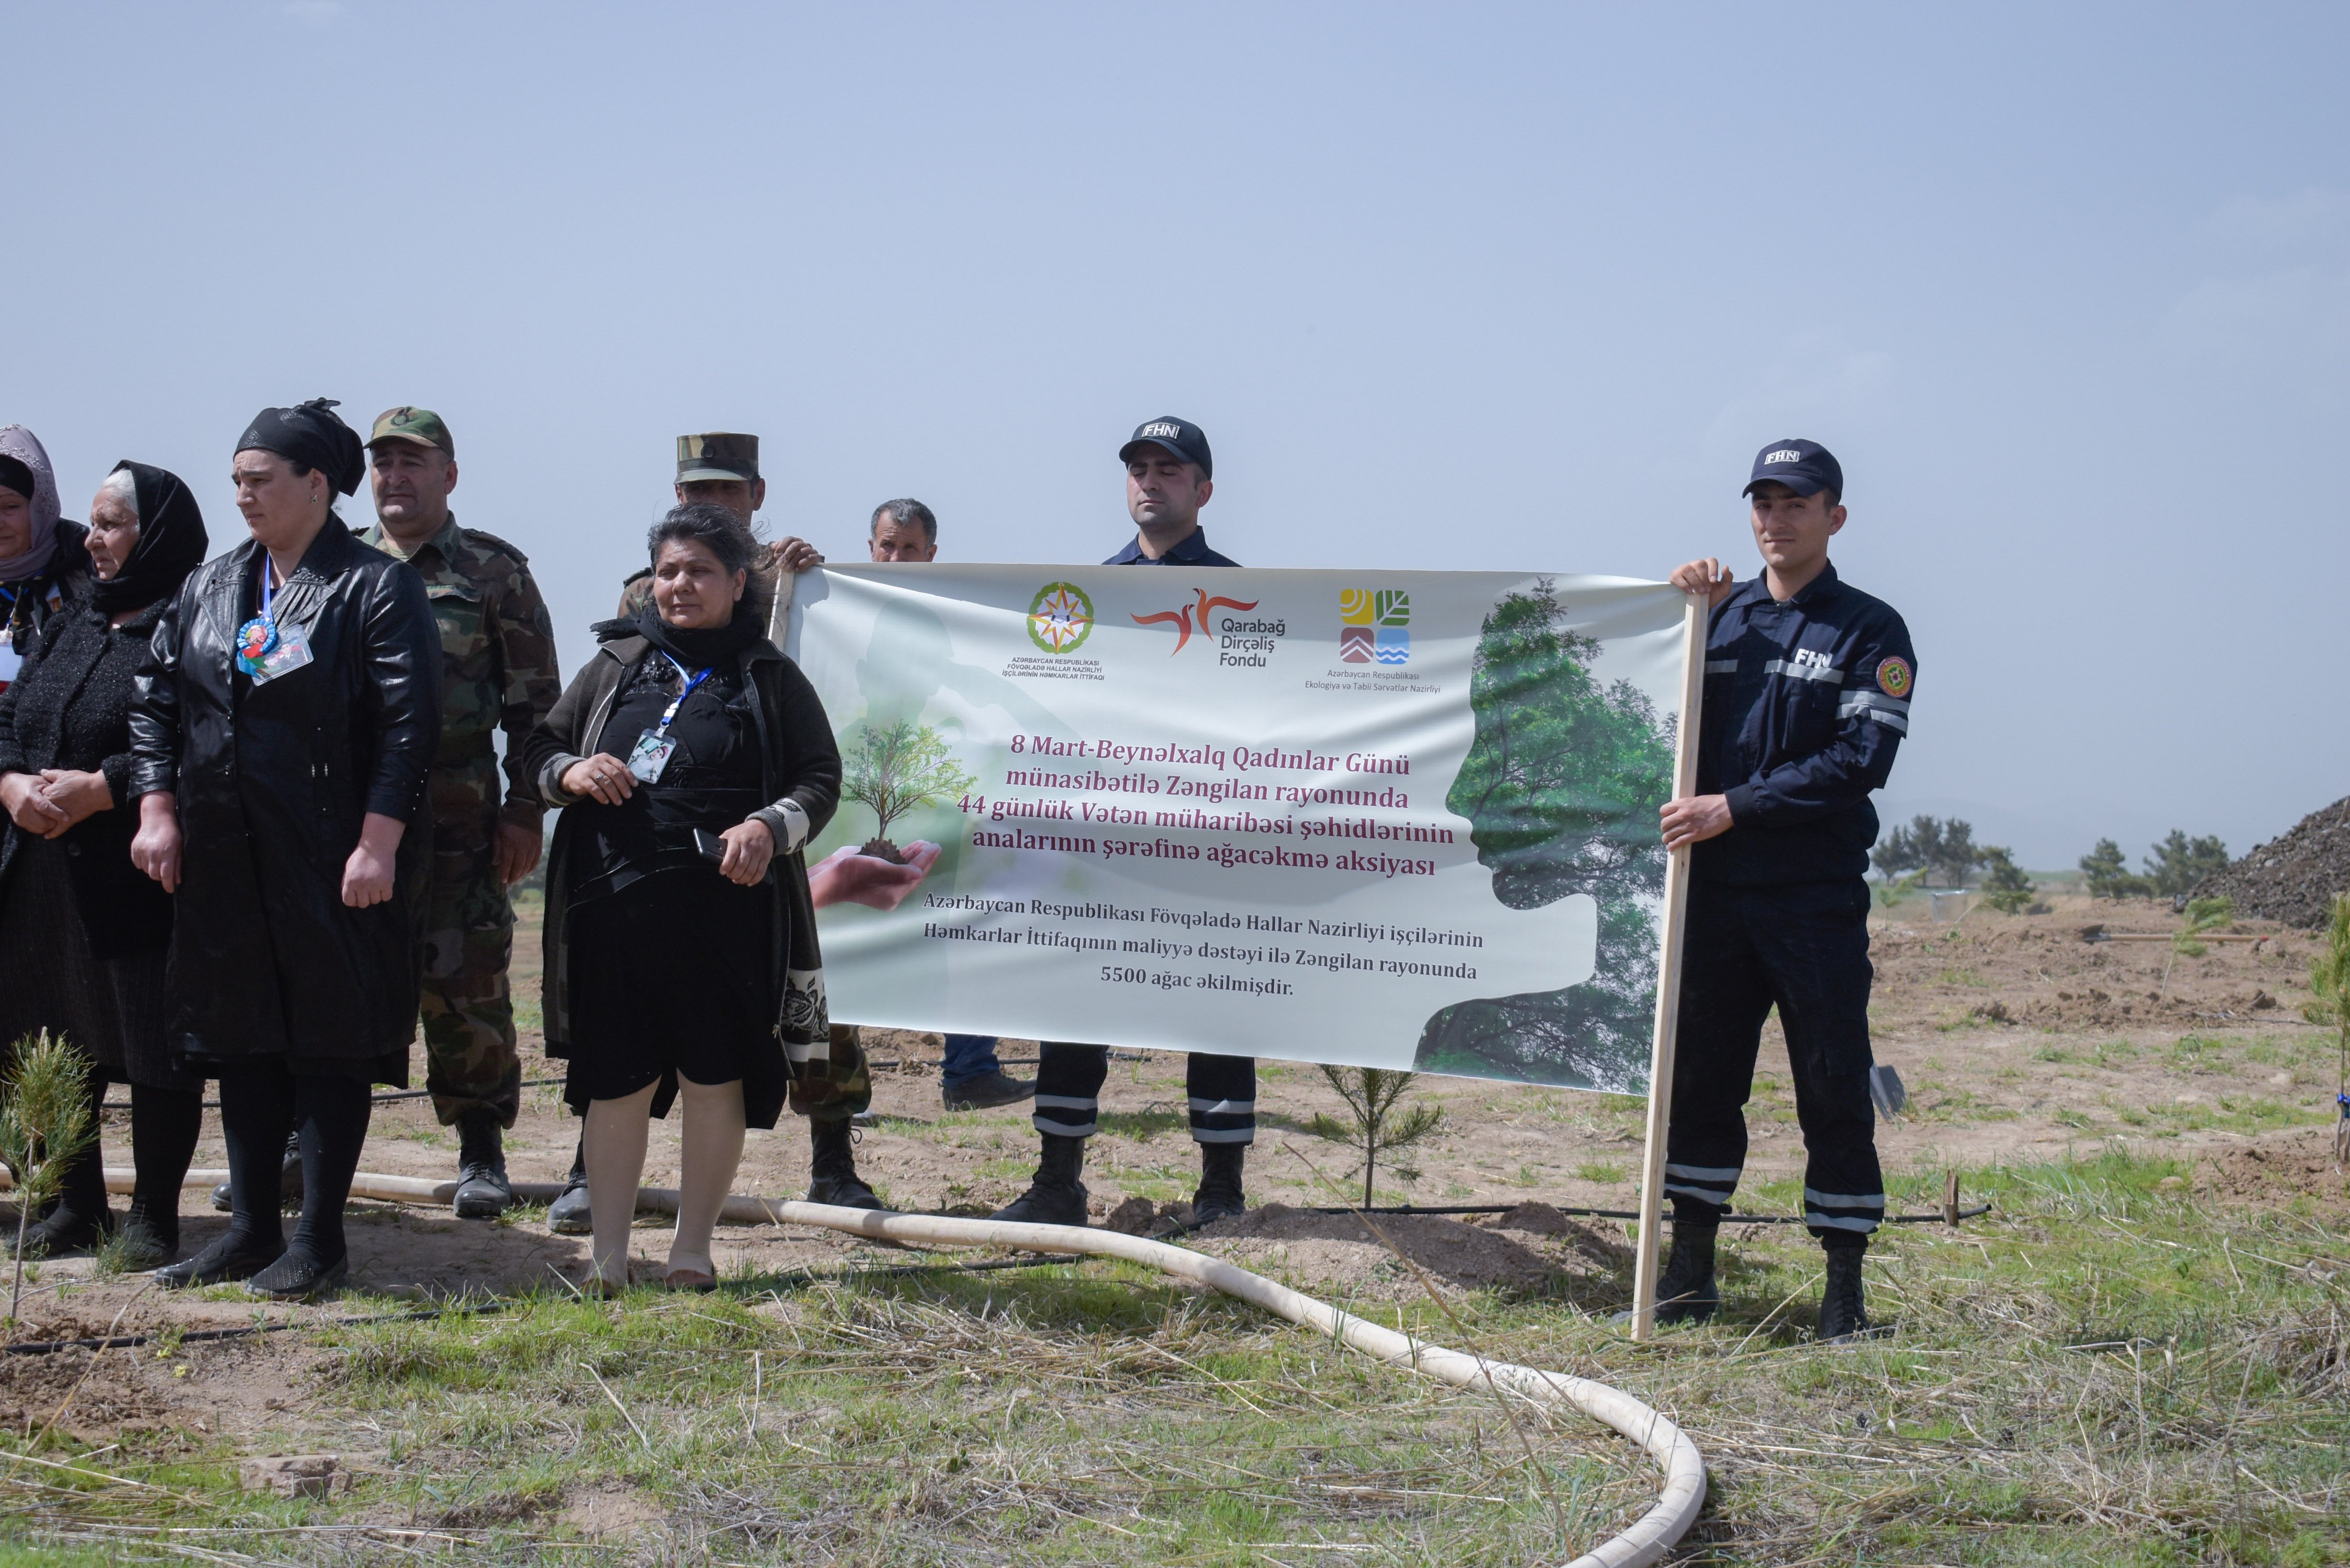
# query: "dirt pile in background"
(2292, 879)
(2275, 1168)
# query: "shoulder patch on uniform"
(1894, 677)
(489, 541)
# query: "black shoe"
(568, 1215)
(294, 1278)
(833, 1171)
(1219, 1196)
(63, 1231)
(289, 1181)
(235, 1256)
(997, 1089)
(482, 1190)
(1057, 1197)
(1843, 1318)
(1686, 1293)
(143, 1244)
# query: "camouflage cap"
(410, 423)
(720, 454)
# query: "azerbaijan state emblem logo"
(1060, 617)
(1374, 625)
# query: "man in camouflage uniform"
(498, 671)
(722, 468)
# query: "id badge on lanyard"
(654, 747)
(264, 650)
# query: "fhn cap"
(720, 454)
(420, 427)
(1185, 439)
(1804, 467)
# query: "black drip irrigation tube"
(1625, 1213)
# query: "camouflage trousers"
(837, 1088)
(469, 1027)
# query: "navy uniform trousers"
(1223, 1091)
(1803, 948)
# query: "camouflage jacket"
(498, 669)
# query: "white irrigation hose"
(1649, 1537)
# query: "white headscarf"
(25, 448)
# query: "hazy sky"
(2067, 288)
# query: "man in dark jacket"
(1807, 684)
(1169, 475)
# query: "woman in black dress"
(681, 952)
(282, 729)
(82, 933)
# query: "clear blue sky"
(2067, 288)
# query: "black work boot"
(998, 1088)
(289, 1180)
(1219, 1196)
(832, 1172)
(1057, 1197)
(482, 1191)
(1686, 1291)
(1844, 1320)
(568, 1215)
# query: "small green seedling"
(1372, 1127)
(45, 1122)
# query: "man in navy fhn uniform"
(1169, 474)
(1807, 684)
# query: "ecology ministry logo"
(1060, 617)
(1373, 626)
(1181, 620)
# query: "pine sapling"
(45, 1122)
(1373, 1125)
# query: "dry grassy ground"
(2138, 1357)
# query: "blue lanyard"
(670, 712)
(267, 593)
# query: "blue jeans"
(968, 1056)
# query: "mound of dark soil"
(2292, 879)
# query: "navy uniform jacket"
(1805, 703)
(1192, 552)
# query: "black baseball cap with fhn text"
(1804, 467)
(1184, 439)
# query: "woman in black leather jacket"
(283, 725)
(82, 933)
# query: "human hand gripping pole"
(1694, 618)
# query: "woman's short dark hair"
(713, 527)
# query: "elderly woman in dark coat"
(283, 726)
(82, 933)
(681, 955)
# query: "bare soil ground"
(2018, 1039)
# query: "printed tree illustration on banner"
(1561, 788)
(897, 770)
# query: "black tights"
(164, 1124)
(260, 1105)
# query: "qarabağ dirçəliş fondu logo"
(1060, 617)
(1181, 620)
(1374, 625)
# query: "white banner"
(1392, 819)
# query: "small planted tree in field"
(1373, 1127)
(2108, 875)
(896, 770)
(2005, 886)
(45, 1122)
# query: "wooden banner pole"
(1669, 979)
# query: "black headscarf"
(171, 541)
(313, 436)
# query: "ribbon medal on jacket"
(264, 650)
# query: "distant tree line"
(2172, 871)
(1930, 851)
